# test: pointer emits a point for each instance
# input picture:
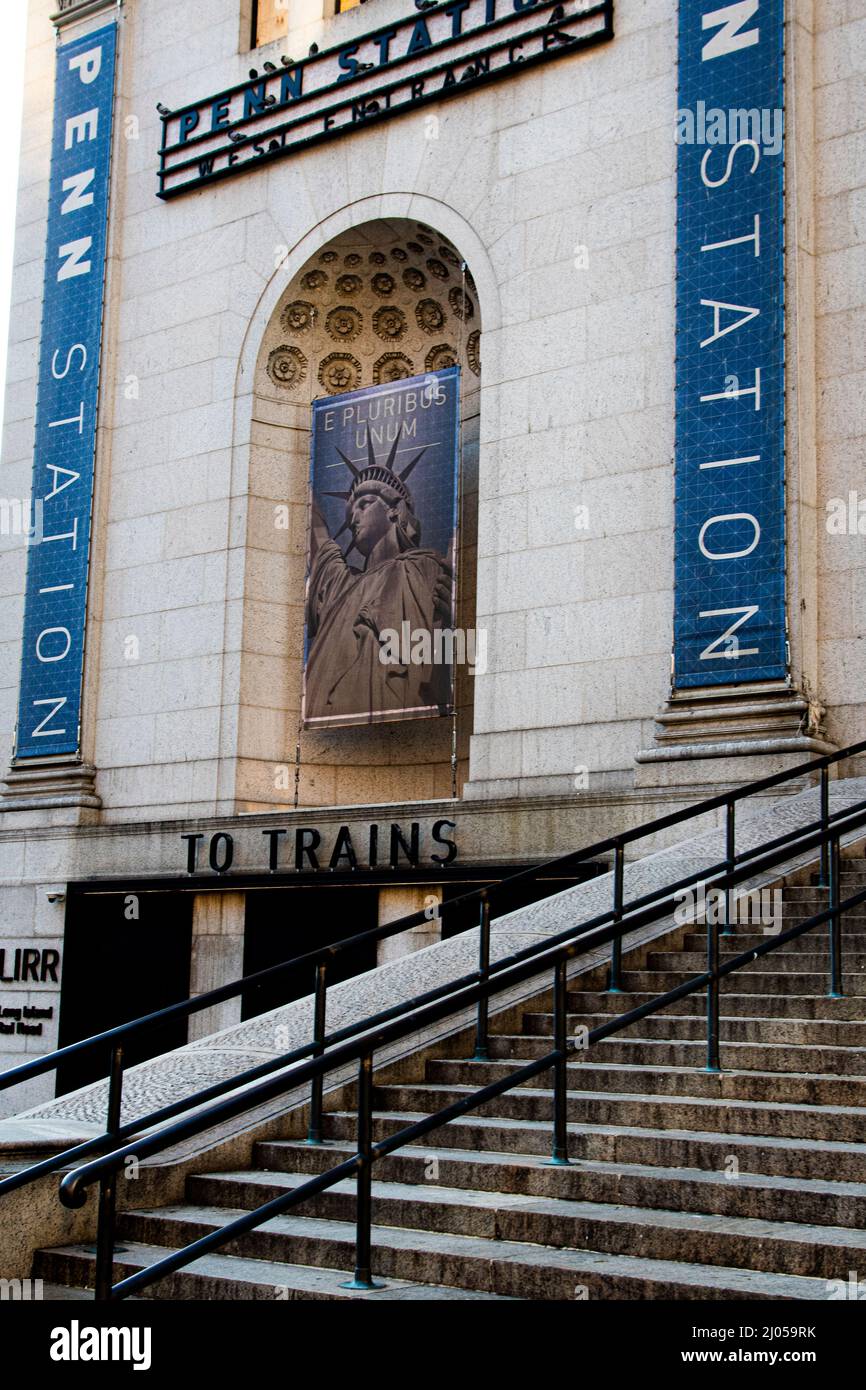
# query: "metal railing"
(359, 1042)
(510, 972)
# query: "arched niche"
(387, 299)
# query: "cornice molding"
(69, 11)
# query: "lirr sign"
(451, 48)
(730, 613)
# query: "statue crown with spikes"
(375, 472)
(378, 477)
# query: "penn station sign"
(426, 57)
(55, 611)
(730, 619)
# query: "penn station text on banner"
(56, 597)
(730, 621)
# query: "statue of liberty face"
(371, 519)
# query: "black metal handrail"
(505, 975)
(116, 1132)
(615, 844)
(319, 958)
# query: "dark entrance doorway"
(117, 967)
(286, 922)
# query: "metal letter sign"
(452, 48)
(380, 638)
(52, 660)
(729, 620)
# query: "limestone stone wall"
(840, 219)
(558, 189)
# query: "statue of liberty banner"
(386, 579)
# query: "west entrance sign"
(413, 62)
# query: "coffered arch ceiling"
(387, 300)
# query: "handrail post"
(107, 1218)
(363, 1279)
(314, 1132)
(835, 991)
(713, 991)
(559, 1158)
(482, 1051)
(615, 980)
(824, 879)
(730, 863)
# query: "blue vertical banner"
(52, 662)
(729, 613)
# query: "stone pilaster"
(217, 957)
(60, 790)
(400, 902)
(757, 729)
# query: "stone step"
(232, 1277)
(751, 979)
(854, 880)
(810, 943)
(739, 1056)
(755, 1196)
(800, 907)
(507, 1267)
(69, 1293)
(775, 962)
(791, 914)
(619, 1143)
(648, 1079)
(668, 1026)
(598, 1106)
(853, 920)
(754, 1242)
(782, 1006)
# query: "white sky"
(11, 89)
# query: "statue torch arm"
(329, 574)
(319, 533)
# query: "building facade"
(650, 291)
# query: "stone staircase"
(683, 1185)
